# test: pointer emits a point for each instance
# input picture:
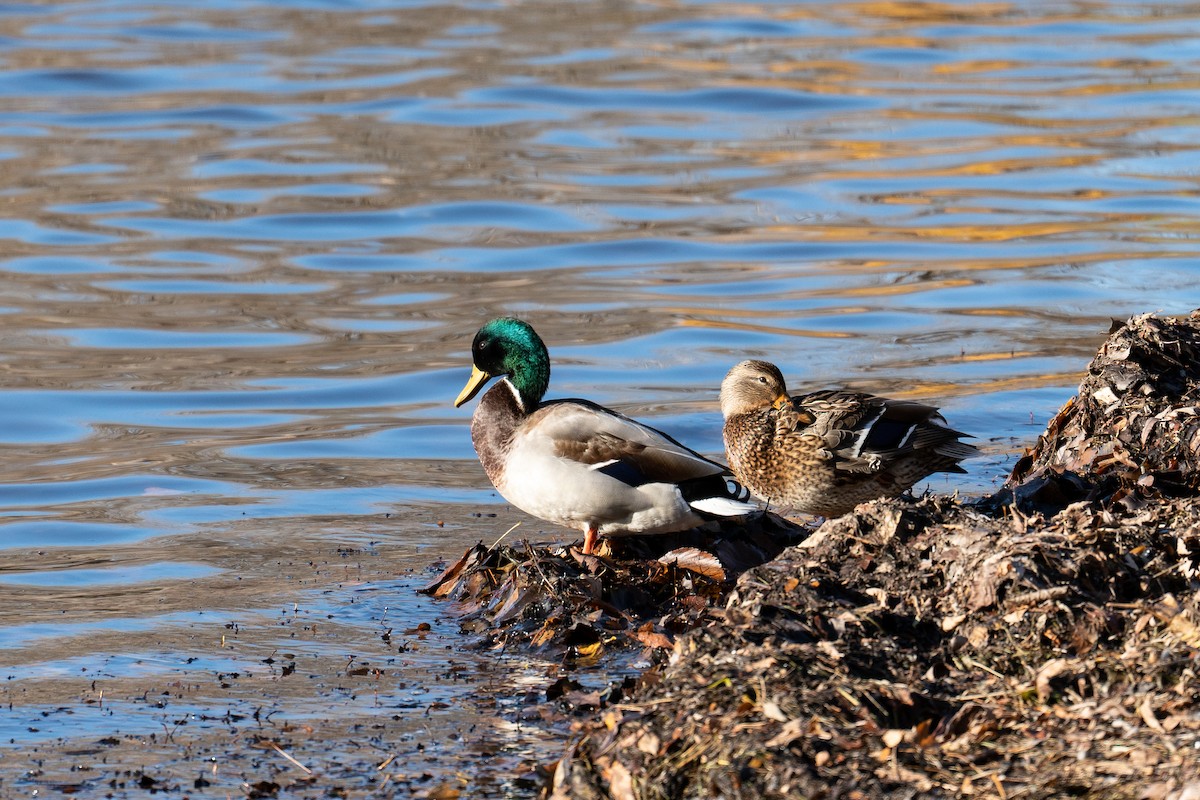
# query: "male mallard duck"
(826, 452)
(577, 464)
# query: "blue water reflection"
(123, 575)
(38, 533)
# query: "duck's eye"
(762, 379)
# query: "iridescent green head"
(511, 348)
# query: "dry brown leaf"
(445, 583)
(620, 781)
(791, 731)
(649, 744)
(894, 772)
(1114, 768)
(986, 586)
(771, 710)
(763, 664)
(1146, 711)
(1179, 620)
(695, 560)
(652, 638)
(544, 634)
(889, 523)
(829, 649)
(588, 561)
(515, 604)
(1049, 671)
(977, 636)
(582, 699)
(816, 539)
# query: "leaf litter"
(1040, 643)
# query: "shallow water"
(246, 246)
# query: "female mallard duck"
(826, 452)
(577, 464)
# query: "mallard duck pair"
(583, 466)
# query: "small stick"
(506, 533)
(284, 753)
(1032, 598)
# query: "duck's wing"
(865, 433)
(602, 439)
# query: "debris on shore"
(924, 649)
(636, 592)
(1132, 433)
(1041, 643)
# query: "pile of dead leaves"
(638, 592)
(917, 650)
(1133, 430)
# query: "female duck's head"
(511, 348)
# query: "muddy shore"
(1040, 643)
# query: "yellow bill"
(474, 384)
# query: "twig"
(1033, 598)
(284, 753)
(496, 543)
(533, 559)
(970, 662)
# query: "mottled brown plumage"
(826, 452)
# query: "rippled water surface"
(246, 245)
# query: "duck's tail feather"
(956, 450)
(718, 496)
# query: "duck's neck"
(528, 380)
(495, 421)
